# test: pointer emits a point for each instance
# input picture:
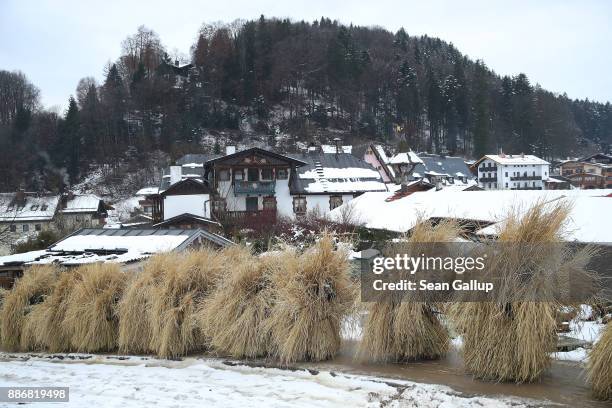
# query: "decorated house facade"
(255, 180)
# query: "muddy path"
(563, 383)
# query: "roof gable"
(187, 217)
(256, 156)
(187, 186)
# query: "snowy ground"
(104, 381)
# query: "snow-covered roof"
(584, 224)
(147, 191)
(384, 160)
(18, 259)
(409, 157)
(490, 206)
(332, 149)
(451, 165)
(32, 208)
(112, 245)
(511, 159)
(335, 173)
(552, 179)
(81, 203)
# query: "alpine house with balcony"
(256, 181)
(251, 181)
(512, 172)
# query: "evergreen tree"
(69, 146)
(481, 111)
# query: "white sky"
(564, 45)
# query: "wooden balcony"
(254, 187)
(242, 215)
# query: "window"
(13, 228)
(253, 174)
(37, 227)
(266, 174)
(299, 205)
(506, 185)
(281, 174)
(224, 175)
(238, 175)
(335, 201)
(506, 176)
(25, 227)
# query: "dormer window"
(43, 207)
(34, 207)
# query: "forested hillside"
(284, 84)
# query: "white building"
(512, 172)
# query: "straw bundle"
(402, 329)
(176, 301)
(49, 329)
(135, 329)
(90, 318)
(314, 294)
(599, 366)
(237, 312)
(511, 339)
(20, 302)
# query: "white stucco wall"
(197, 204)
(542, 171)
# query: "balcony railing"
(487, 179)
(488, 169)
(519, 178)
(242, 215)
(254, 187)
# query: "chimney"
(176, 172)
(523, 155)
(230, 149)
(65, 197)
(20, 197)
